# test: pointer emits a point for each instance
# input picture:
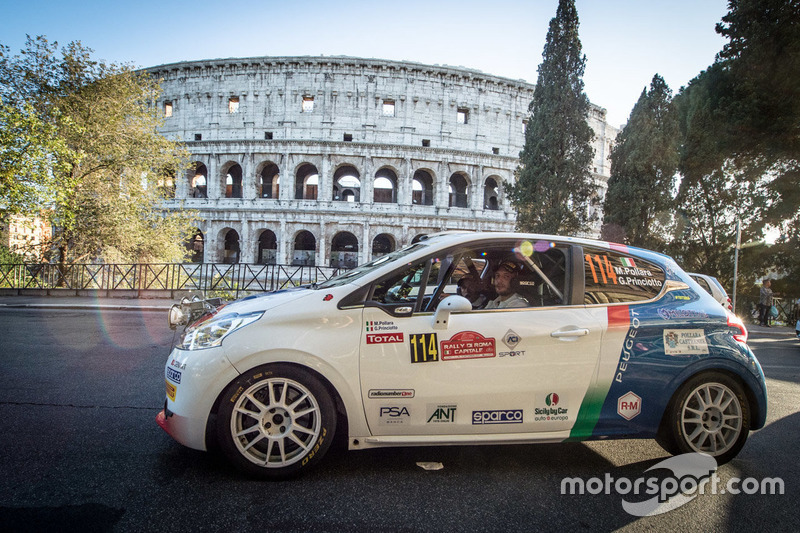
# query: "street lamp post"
(736, 261)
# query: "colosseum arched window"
(491, 194)
(306, 183)
(459, 196)
(344, 250)
(166, 182)
(382, 245)
(385, 187)
(232, 250)
(233, 181)
(267, 252)
(195, 246)
(305, 246)
(198, 185)
(346, 184)
(268, 184)
(422, 188)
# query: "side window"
(614, 277)
(407, 285)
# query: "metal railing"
(236, 279)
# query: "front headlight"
(210, 332)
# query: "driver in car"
(505, 284)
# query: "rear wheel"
(276, 421)
(709, 414)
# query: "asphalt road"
(79, 392)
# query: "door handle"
(578, 332)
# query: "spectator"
(765, 300)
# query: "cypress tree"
(644, 161)
(554, 190)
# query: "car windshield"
(354, 274)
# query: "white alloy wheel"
(711, 419)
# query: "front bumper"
(193, 380)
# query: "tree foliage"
(644, 161)
(740, 123)
(96, 159)
(554, 189)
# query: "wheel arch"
(342, 411)
(737, 372)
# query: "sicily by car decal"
(619, 326)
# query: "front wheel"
(275, 421)
(709, 414)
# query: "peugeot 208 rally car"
(468, 338)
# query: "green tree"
(554, 190)
(644, 162)
(95, 125)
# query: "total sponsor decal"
(509, 416)
(551, 412)
(467, 345)
(685, 342)
(177, 364)
(391, 393)
(384, 338)
(391, 415)
(629, 405)
(441, 414)
(381, 325)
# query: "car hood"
(267, 301)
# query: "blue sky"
(626, 41)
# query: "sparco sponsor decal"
(384, 338)
(510, 416)
(391, 393)
(467, 345)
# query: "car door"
(514, 370)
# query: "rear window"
(615, 277)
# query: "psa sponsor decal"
(685, 342)
(391, 393)
(424, 347)
(384, 338)
(391, 415)
(629, 405)
(441, 414)
(467, 345)
(174, 375)
(551, 412)
(381, 325)
(510, 416)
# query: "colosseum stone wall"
(335, 160)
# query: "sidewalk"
(86, 302)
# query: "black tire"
(708, 414)
(276, 421)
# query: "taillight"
(734, 322)
(730, 305)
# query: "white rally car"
(468, 338)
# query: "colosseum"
(332, 161)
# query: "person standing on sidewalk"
(765, 302)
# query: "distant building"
(26, 236)
(337, 160)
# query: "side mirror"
(451, 304)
